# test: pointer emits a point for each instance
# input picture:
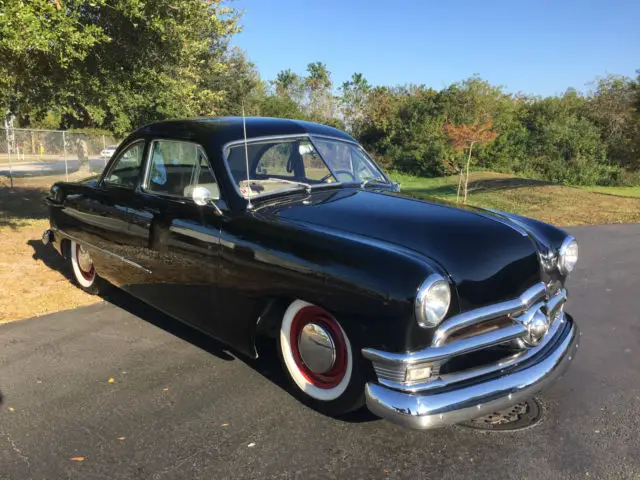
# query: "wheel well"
(268, 324)
(65, 247)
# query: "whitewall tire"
(84, 272)
(333, 371)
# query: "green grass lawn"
(557, 204)
(620, 191)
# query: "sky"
(538, 47)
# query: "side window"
(205, 178)
(172, 168)
(361, 166)
(276, 161)
(314, 167)
(126, 169)
(176, 167)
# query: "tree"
(239, 84)
(288, 84)
(353, 100)
(611, 106)
(463, 137)
(114, 64)
(319, 101)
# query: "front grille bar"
(391, 367)
(449, 379)
(482, 314)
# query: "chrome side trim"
(422, 411)
(102, 250)
(479, 315)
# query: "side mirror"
(396, 186)
(202, 196)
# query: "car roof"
(216, 132)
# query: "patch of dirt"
(35, 279)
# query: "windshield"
(294, 163)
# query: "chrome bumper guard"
(455, 396)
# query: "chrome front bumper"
(481, 396)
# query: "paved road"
(54, 167)
(185, 408)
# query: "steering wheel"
(346, 172)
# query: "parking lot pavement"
(117, 390)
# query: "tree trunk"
(466, 179)
(459, 185)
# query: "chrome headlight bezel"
(432, 301)
(565, 266)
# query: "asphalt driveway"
(117, 390)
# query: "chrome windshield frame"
(292, 137)
(359, 147)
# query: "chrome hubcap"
(316, 347)
(84, 260)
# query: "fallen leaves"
(224, 425)
(120, 438)
(166, 389)
(111, 380)
(11, 409)
(77, 459)
(252, 444)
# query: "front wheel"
(84, 272)
(318, 358)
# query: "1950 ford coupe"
(428, 314)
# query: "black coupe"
(428, 314)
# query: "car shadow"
(20, 205)
(267, 364)
(478, 186)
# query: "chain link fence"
(36, 153)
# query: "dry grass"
(34, 278)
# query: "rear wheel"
(84, 271)
(318, 358)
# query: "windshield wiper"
(373, 180)
(306, 186)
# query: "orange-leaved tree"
(464, 137)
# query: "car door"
(179, 239)
(99, 218)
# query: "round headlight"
(568, 255)
(432, 301)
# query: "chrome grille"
(391, 368)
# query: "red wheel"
(315, 351)
(319, 347)
(84, 272)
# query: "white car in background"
(107, 152)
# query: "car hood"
(488, 257)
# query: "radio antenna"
(246, 156)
